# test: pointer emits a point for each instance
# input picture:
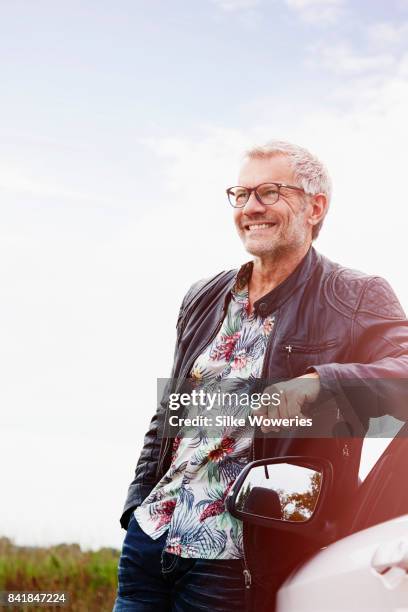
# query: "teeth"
(260, 226)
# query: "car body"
(343, 575)
(365, 565)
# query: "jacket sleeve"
(145, 473)
(375, 382)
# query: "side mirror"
(288, 493)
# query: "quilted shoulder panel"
(368, 294)
(379, 299)
(348, 287)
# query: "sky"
(121, 125)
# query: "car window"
(372, 450)
(380, 433)
(383, 495)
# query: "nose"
(253, 206)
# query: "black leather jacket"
(341, 322)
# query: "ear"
(319, 205)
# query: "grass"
(89, 577)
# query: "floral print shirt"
(189, 501)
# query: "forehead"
(265, 169)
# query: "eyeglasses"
(266, 193)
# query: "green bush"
(88, 577)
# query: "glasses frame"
(258, 197)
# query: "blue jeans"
(151, 580)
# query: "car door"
(366, 570)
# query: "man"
(288, 315)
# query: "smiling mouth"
(253, 227)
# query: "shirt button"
(263, 309)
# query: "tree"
(300, 506)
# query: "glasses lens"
(238, 196)
(269, 193)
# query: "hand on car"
(293, 395)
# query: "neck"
(269, 272)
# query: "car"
(361, 562)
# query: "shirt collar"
(278, 296)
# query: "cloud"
(20, 180)
(341, 59)
(386, 34)
(236, 5)
(317, 11)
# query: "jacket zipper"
(269, 346)
(247, 575)
(246, 572)
(265, 360)
(291, 348)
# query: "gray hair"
(308, 170)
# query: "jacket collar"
(278, 296)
